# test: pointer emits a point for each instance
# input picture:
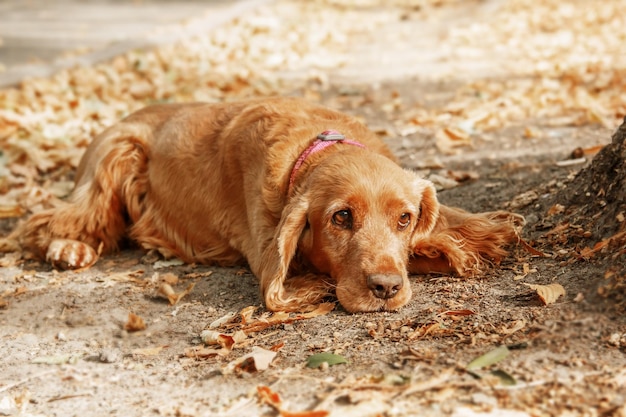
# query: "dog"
(310, 198)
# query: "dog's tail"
(109, 188)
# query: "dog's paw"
(70, 254)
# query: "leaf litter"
(46, 124)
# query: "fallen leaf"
(257, 360)
(315, 361)
(246, 314)
(227, 318)
(227, 341)
(16, 292)
(281, 317)
(547, 293)
(202, 352)
(169, 278)
(134, 323)
(271, 398)
(167, 263)
(199, 274)
(464, 312)
(277, 347)
(127, 276)
(168, 292)
(586, 253)
(556, 209)
(449, 139)
(504, 377)
(516, 326)
(531, 250)
(462, 176)
(490, 358)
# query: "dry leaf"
(246, 314)
(464, 312)
(194, 275)
(258, 359)
(514, 327)
(167, 263)
(548, 293)
(271, 398)
(222, 320)
(448, 140)
(556, 209)
(168, 292)
(169, 278)
(134, 323)
(462, 176)
(202, 352)
(277, 347)
(212, 337)
(281, 317)
(227, 341)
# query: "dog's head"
(353, 218)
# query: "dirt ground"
(68, 348)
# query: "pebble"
(110, 355)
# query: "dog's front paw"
(70, 254)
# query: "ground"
(490, 113)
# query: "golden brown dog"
(249, 181)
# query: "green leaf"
(505, 377)
(314, 361)
(492, 357)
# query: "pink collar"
(323, 141)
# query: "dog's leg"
(463, 243)
(72, 235)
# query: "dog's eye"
(404, 221)
(343, 218)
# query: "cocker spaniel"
(311, 199)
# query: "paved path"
(36, 35)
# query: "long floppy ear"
(428, 205)
(278, 254)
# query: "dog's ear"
(278, 254)
(426, 195)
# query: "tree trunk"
(596, 198)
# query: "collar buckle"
(331, 135)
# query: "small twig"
(67, 397)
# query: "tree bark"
(596, 197)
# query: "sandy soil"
(67, 351)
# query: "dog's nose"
(383, 285)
